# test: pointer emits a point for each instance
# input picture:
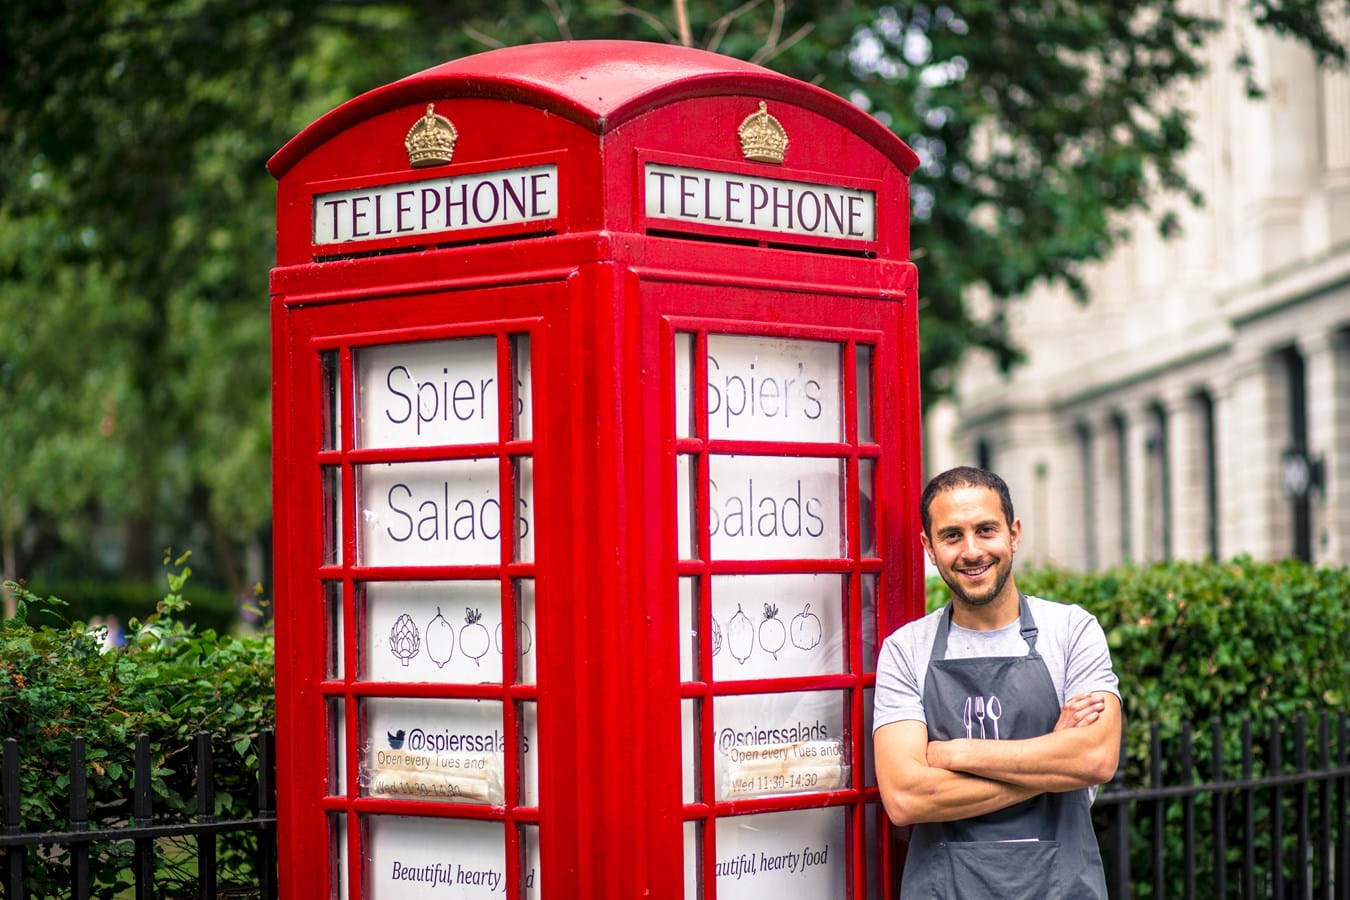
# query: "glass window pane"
(523, 397)
(530, 882)
(686, 473)
(693, 860)
(330, 370)
(863, 367)
(528, 727)
(689, 747)
(335, 659)
(689, 620)
(872, 851)
(332, 515)
(430, 631)
(773, 507)
(428, 393)
(430, 513)
(337, 746)
(524, 524)
(800, 854)
(869, 762)
(433, 750)
(778, 626)
(770, 744)
(867, 524)
(408, 857)
(870, 649)
(684, 385)
(526, 666)
(337, 856)
(771, 389)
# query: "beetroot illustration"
(474, 639)
(716, 638)
(772, 634)
(525, 640)
(404, 641)
(806, 630)
(440, 638)
(740, 635)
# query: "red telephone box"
(596, 473)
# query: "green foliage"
(1233, 641)
(88, 598)
(136, 215)
(170, 682)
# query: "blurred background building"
(1199, 405)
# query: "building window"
(1301, 503)
(1089, 495)
(1159, 485)
(1120, 432)
(1204, 402)
(984, 454)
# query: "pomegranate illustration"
(806, 630)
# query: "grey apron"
(1041, 849)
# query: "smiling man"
(976, 745)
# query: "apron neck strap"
(1027, 628)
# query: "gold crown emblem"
(762, 136)
(431, 140)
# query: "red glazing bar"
(374, 455)
(784, 803)
(779, 448)
(839, 682)
(705, 750)
(473, 811)
(506, 380)
(425, 573)
(779, 566)
(857, 835)
(347, 416)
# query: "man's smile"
(975, 571)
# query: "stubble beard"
(954, 586)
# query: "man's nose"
(970, 546)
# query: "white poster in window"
(777, 626)
(440, 750)
(411, 858)
(773, 389)
(769, 507)
(428, 393)
(430, 514)
(800, 853)
(439, 631)
(771, 744)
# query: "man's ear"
(1015, 534)
(927, 546)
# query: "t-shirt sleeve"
(1088, 661)
(897, 695)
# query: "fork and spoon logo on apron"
(977, 710)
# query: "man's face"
(971, 543)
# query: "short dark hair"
(963, 476)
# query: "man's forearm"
(932, 794)
(1060, 761)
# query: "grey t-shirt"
(1070, 640)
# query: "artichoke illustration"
(716, 638)
(806, 630)
(404, 641)
(440, 638)
(772, 634)
(740, 636)
(474, 639)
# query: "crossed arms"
(941, 781)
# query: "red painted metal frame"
(601, 302)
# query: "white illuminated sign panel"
(437, 205)
(729, 200)
(427, 394)
(773, 389)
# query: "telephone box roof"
(598, 84)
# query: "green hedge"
(87, 598)
(170, 681)
(1230, 641)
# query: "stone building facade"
(1199, 405)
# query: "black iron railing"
(141, 829)
(1275, 830)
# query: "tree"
(137, 215)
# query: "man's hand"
(1081, 710)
